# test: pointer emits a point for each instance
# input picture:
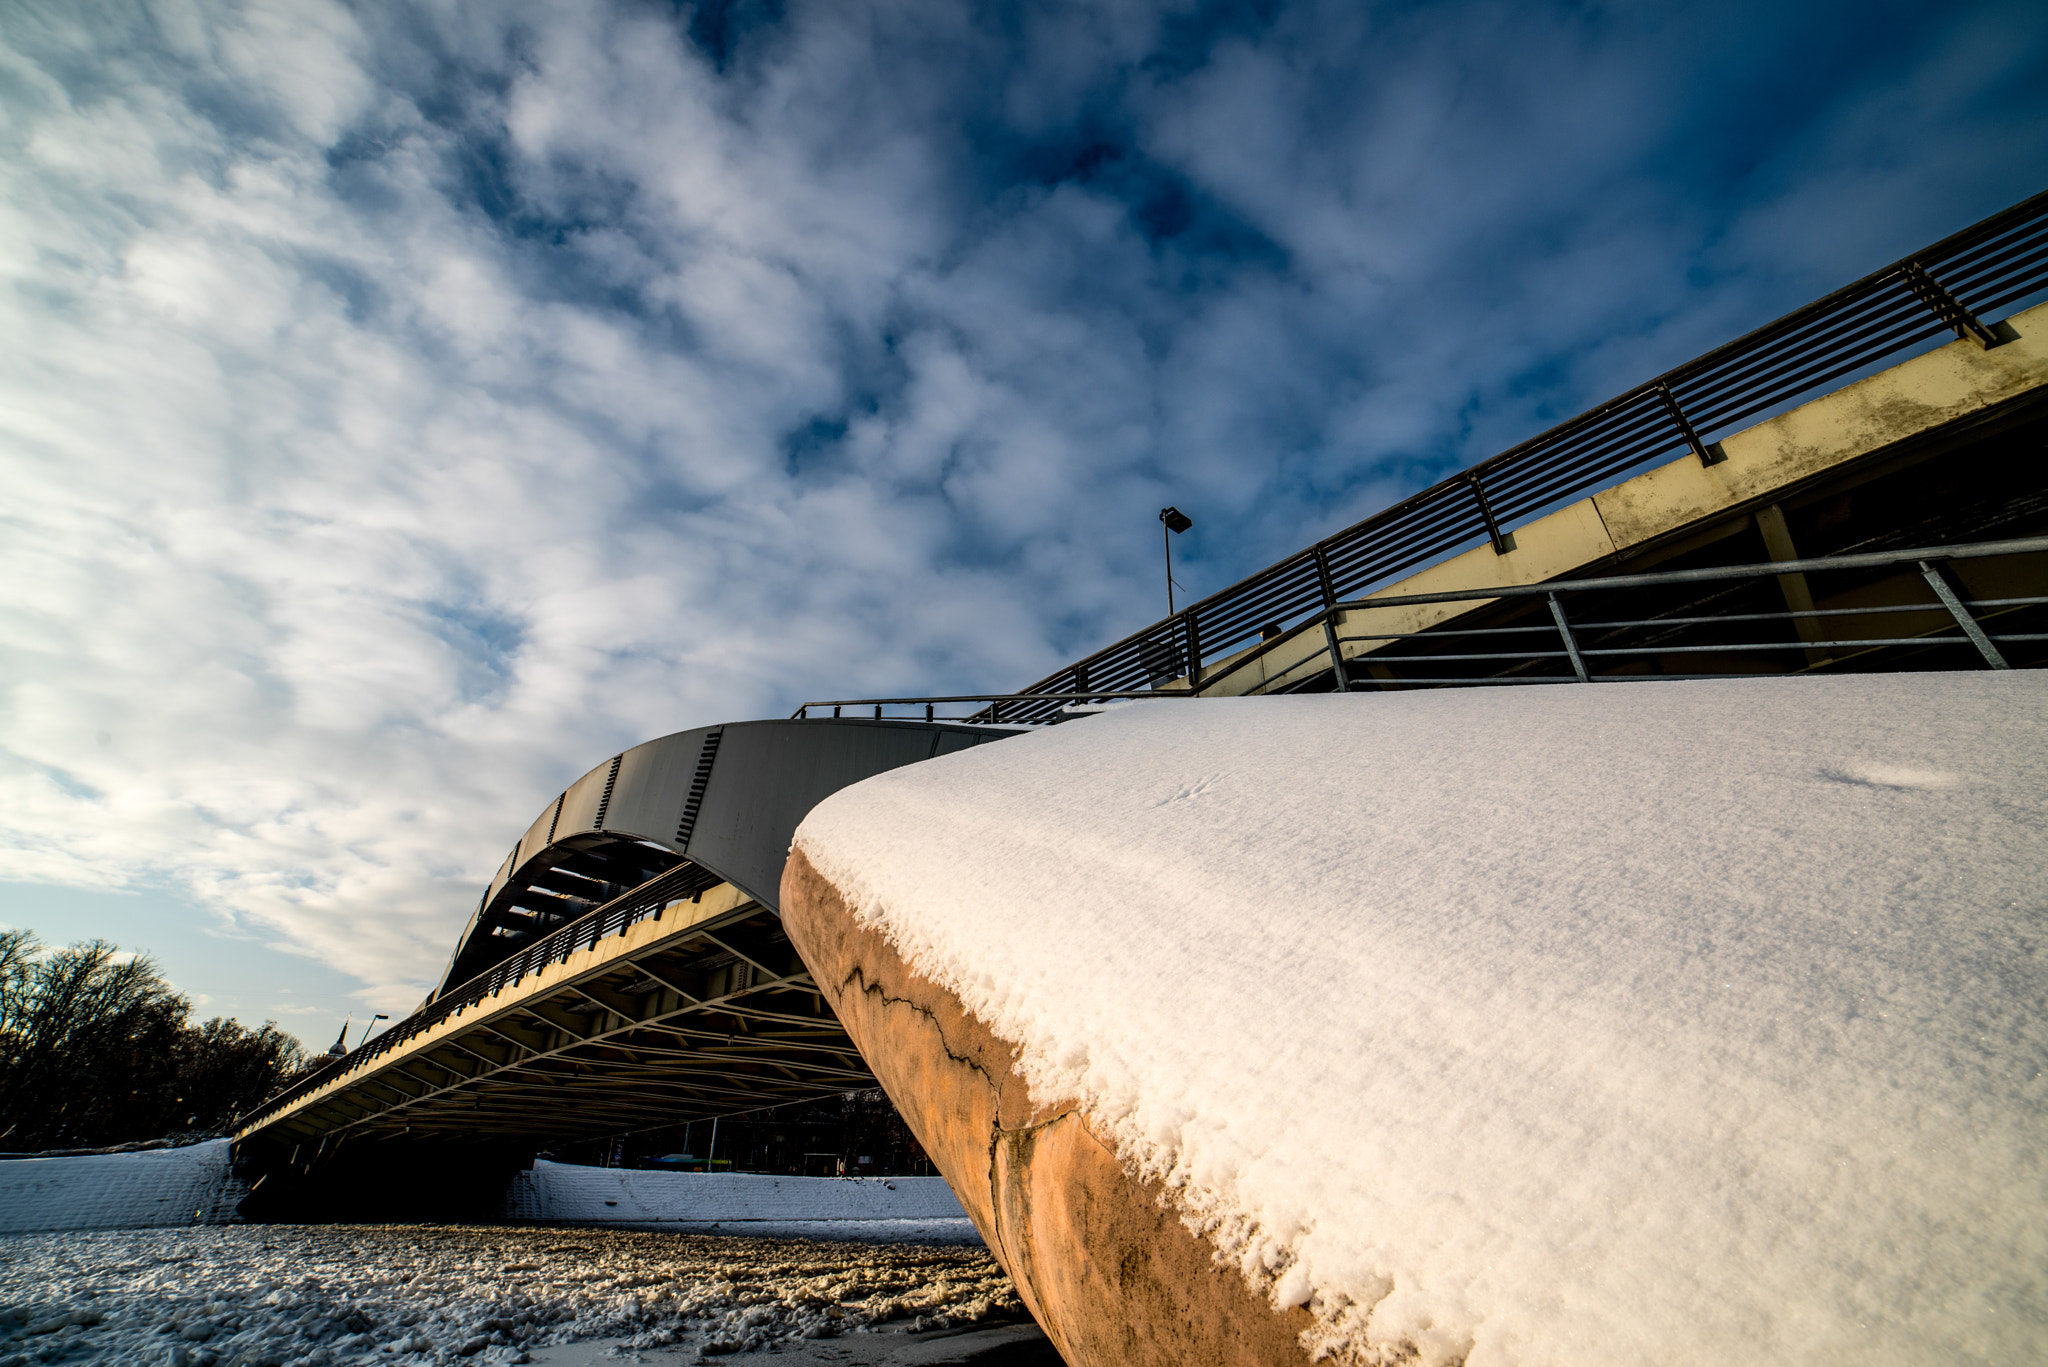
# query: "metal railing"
(1335, 625)
(990, 715)
(1571, 636)
(686, 882)
(1954, 286)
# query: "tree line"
(97, 1049)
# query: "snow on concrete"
(1654, 1023)
(922, 1206)
(328, 1296)
(114, 1190)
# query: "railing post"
(1564, 629)
(1336, 655)
(1502, 543)
(1939, 583)
(927, 711)
(1194, 634)
(1329, 588)
(1684, 425)
(1323, 578)
(1946, 306)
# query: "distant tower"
(340, 1049)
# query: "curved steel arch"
(711, 805)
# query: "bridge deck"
(703, 1011)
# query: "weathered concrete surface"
(1112, 1275)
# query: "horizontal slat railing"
(1335, 625)
(1924, 558)
(1951, 289)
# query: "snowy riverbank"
(192, 1186)
(1658, 1022)
(332, 1296)
(142, 1190)
(884, 1209)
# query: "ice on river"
(325, 1296)
(1673, 1023)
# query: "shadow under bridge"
(626, 967)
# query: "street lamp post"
(370, 1025)
(1172, 521)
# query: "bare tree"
(95, 1049)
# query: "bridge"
(626, 966)
(1839, 491)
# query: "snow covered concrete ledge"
(1652, 1023)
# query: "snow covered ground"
(1662, 1023)
(116, 1190)
(412, 1295)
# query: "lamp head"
(1175, 519)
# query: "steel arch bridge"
(626, 966)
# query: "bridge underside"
(705, 1010)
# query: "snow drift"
(1667, 1022)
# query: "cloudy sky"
(405, 406)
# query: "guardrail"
(1571, 635)
(1955, 285)
(993, 713)
(1334, 624)
(648, 901)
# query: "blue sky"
(411, 405)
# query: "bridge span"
(626, 967)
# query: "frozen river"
(417, 1294)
